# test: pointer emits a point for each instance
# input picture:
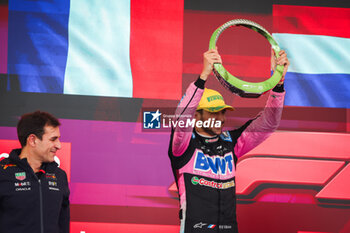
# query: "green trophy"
(235, 85)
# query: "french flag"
(317, 41)
(129, 48)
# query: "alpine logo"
(216, 164)
(226, 136)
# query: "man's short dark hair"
(200, 111)
(34, 123)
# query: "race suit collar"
(208, 139)
(14, 157)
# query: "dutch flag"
(317, 42)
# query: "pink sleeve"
(185, 110)
(263, 126)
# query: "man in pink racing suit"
(203, 157)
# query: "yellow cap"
(212, 101)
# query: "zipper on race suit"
(41, 203)
(41, 208)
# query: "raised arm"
(185, 111)
(269, 119)
(189, 102)
(262, 126)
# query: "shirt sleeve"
(185, 111)
(262, 126)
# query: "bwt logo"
(215, 164)
(151, 120)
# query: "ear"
(31, 140)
